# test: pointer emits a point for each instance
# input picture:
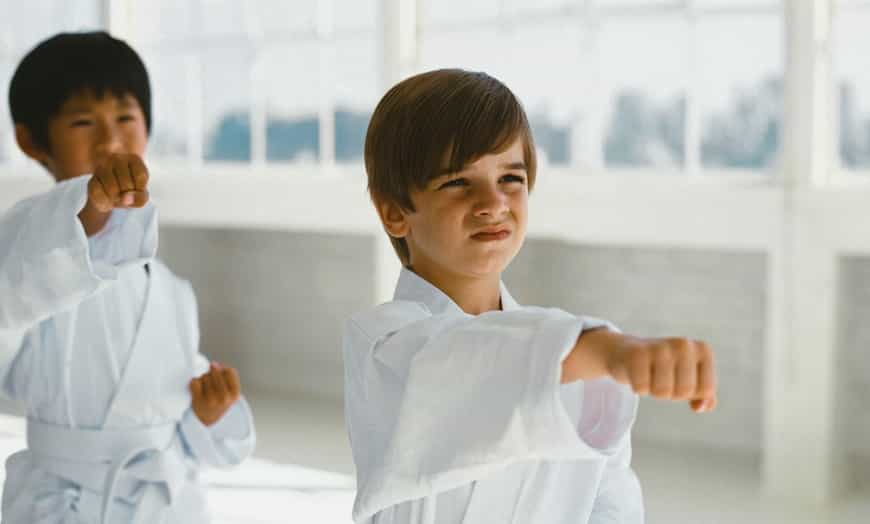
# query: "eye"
(456, 182)
(514, 178)
(126, 118)
(81, 122)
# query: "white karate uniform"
(99, 349)
(455, 418)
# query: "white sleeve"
(479, 394)
(230, 440)
(226, 443)
(46, 264)
(619, 499)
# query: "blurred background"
(705, 172)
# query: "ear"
(27, 145)
(393, 218)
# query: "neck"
(474, 295)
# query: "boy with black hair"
(98, 339)
(462, 405)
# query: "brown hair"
(446, 116)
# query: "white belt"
(105, 459)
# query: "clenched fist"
(665, 368)
(119, 181)
(214, 392)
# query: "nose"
(108, 140)
(491, 202)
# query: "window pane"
(644, 73)
(274, 17)
(226, 103)
(292, 96)
(643, 4)
(170, 105)
(441, 12)
(355, 15)
(737, 4)
(739, 86)
(22, 26)
(852, 74)
(356, 90)
(544, 6)
(7, 136)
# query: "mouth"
(492, 234)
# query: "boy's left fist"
(214, 392)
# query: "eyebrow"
(72, 110)
(125, 102)
(512, 166)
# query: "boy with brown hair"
(462, 405)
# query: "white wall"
(272, 303)
(853, 359)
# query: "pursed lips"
(492, 233)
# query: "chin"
(484, 268)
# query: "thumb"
(195, 387)
(703, 405)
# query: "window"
(652, 84)
(260, 82)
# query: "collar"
(414, 288)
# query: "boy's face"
(471, 223)
(87, 128)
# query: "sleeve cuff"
(608, 409)
(227, 443)
(128, 238)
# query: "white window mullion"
(117, 18)
(399, 40)
(801, 456)
(194, 105)
(326, 67)
(258, 116)
(398, 50)
(692, 140)
(587, 133)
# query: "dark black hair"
(67, 64)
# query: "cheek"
(72, 152)
(520, 207)
(136, 140)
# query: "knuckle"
(660, 391)
(707, 390)
(682, 392)
(665, 356)
(639, 358)
(681, 344)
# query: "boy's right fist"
(119, 181)
(666, 368)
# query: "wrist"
(93, 220)
(588, 359)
